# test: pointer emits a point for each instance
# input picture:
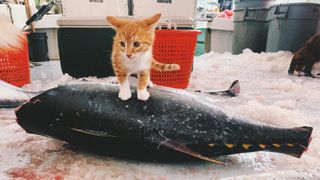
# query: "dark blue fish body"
(171, 124)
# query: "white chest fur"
(138, 62)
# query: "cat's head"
(133, 37)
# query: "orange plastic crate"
(14, 65)
(174, 46)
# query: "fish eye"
(136, 44)
(122, 44)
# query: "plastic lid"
(102, 22)
(221, 24)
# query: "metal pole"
(130, 7)
(28, 12)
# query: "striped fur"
(164, 67)
(132, 53)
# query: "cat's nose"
(129, 55)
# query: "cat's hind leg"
(150, 83)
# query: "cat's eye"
(136, 44)
(122, 44)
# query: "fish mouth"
(16, 110)
(23, 103)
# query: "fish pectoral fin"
(186, 150)
(92, 132)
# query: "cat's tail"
(164, 67)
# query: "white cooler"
(98, 8)
(221, 35)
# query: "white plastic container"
(19, 16)
(94, 8)
(181, 8)
(100, 8)
(49, 25)
(221, 35)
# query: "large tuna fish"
(171, 124)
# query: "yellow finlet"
(246, 146)
(230, 146)
(276, 145)
(211, 145)
(290, 145)
(263, 146)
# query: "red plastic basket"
(14, 65)
(174, 46)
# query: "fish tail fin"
(299, 140)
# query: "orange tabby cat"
(132, 53)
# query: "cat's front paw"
(125, 95)
(143, 95)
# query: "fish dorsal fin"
(186, 150)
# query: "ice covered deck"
(268, 95)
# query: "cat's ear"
(151, 21)
(115, 22)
